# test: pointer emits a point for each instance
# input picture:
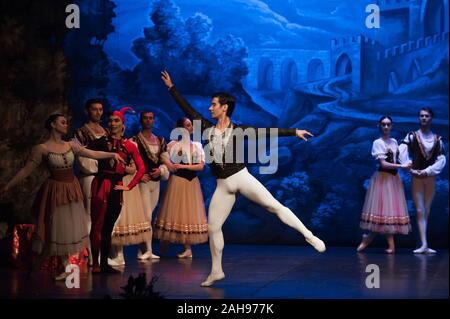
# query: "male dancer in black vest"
(428, 160)
(153, 150)
(233, 177)
(91, 131)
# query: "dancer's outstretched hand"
(166, 79)
(301, 134)
(121, 188)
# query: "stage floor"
(257, 272)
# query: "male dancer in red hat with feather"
(106, 202)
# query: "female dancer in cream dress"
(62, 221)
(132, 226)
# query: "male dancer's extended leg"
(251, 188)
(220, 207)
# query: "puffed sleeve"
(403, 149)
(439, 164)
(87, 165)
(378, 150)
(164, 155)
(76, 147)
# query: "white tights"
(150, 196)
(423, 194)
(223, 200)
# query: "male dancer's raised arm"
(183, 103)
(191, 112)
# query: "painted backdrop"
(310, 64)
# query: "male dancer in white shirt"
(428, 160)
(233, 177)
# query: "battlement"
(340, 42)
(357, 39)
(412, 46)
(393, 4)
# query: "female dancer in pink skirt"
(385, 210)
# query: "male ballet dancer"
(86, 135)
(233, 178)
(153, 150)
(428, 160)
(107, 188)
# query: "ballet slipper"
(148, 255)
(318, 244)
(420, 250)
(363, 244)
(212, 278)
(185, 254)
(430, 251)
(390, 251)
(116, 262)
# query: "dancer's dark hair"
(427, 109)
(89, 102)
(180, 122)
(385, 117)
(144, 112)
(52, 118)
(226, 98)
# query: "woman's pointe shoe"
(363, 244)
(389, 251)
(420, 250)
(212, 278)
(116, 262)
(148, 255)
(185, 254)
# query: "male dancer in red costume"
(106, 202)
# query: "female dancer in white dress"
(385, 210)
(182, 218)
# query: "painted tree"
(184, 47)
